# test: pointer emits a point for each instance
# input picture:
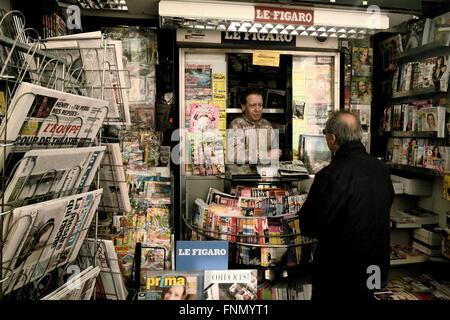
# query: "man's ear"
(243, 107)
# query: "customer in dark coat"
(347, 210)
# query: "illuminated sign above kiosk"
(284, 16)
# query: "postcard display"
(52, 113)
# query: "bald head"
(350, 120)
(345, 126)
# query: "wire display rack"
(28, 59)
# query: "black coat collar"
(349, 148)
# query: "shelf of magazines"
(416, 92)
(282, 246)
(412, 134)
(417, 170)
(430, 49)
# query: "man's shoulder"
(237, 123)
(265, 123)
(364, 162)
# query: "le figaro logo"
(258, 37)
(284, 15)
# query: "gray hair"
(343, 130)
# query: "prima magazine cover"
(171, 285)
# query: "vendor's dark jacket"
(347, 210)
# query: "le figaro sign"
(272, 39)
(284, 16)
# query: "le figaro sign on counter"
(284, 16)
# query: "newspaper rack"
(96, 65)
(27, 58)
(24, 284)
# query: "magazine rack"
(28, 59)
(247, 240)
(156, 256)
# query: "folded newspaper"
(110, 284)
(51, 173)
(44, 236)
(79, 287)
(39, 117)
